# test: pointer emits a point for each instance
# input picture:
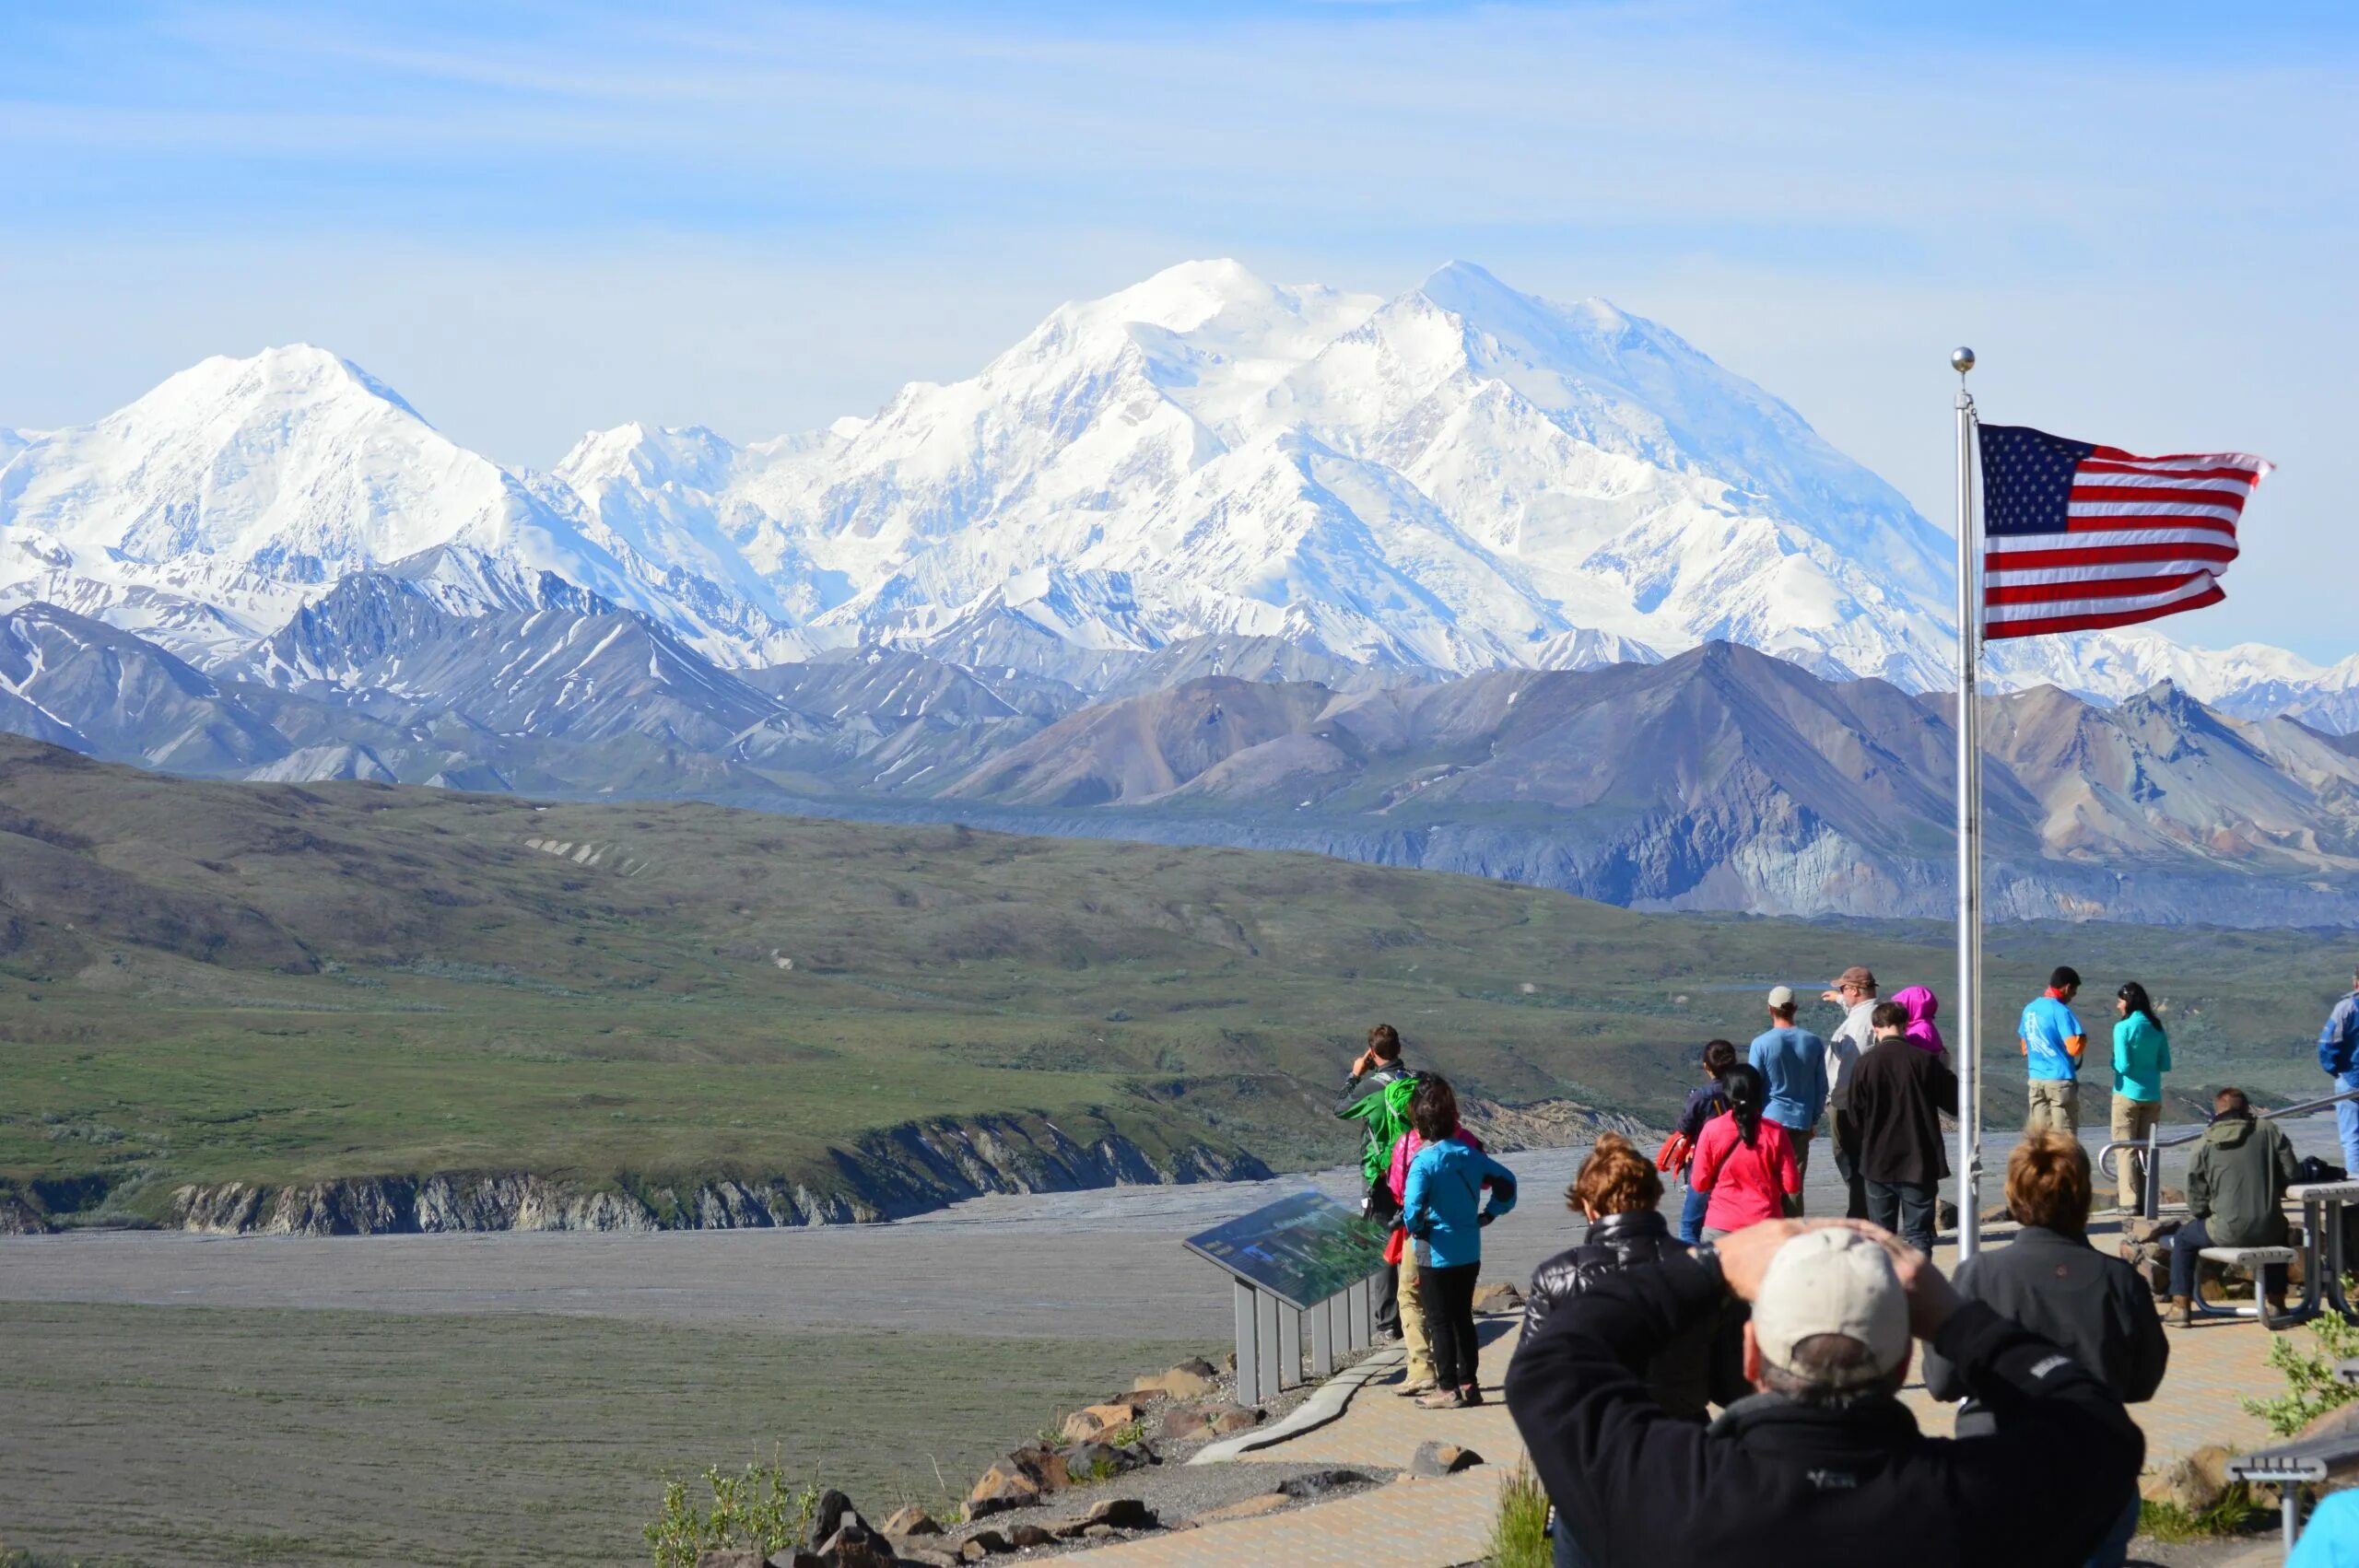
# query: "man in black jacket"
(1826, 1466)
(1898, 1092)
(2053, 1283)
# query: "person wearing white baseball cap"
(1793, 1062)
(1824, 1465)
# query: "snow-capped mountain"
(1461, 478)
(1464, 477)
(205, 514)
(2250, 680)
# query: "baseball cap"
(1856, 976)
(1781, 996)
(1832, 1281)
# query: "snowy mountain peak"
(1462, 478)
(292, 372)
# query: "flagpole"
(1968, 1050)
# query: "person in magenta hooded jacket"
(1922, 1005)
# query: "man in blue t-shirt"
(2052, 1041)
(1792, 1063)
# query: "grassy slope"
(211, 982)
(150, 1434)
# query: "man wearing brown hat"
(1855, 992)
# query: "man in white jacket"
(1855, 992)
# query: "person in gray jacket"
(2053, 1283)
(2236, 1197)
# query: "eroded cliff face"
(887, 1174)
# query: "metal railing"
(2154, 1143)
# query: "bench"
(2290, 1466)
(2252, 1260)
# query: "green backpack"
(1386, 1112)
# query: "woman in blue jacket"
(1443, 1210)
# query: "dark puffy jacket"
(1698, 1368)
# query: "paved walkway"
(1435, 1524)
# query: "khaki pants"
(1413, 1337)
(1800, 1138)
(2055, 1107)
(2132, 1119)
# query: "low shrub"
(2311, 1387)
(2234, 1514)
(1520, 1531)
(757, 1507)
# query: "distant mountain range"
(1461, 478)
(1462, 579)
(1721, 779)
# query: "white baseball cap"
(1781, 997)
(1832, 1281)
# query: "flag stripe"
(2079, 585)
(2184, 459)
(2112, 532)
(2039, 566)
(2155, 506)
(2077, 535)
(2098, 604)
(2097, 620)
(2222, 484)
(2160, 495)
(2247, 477)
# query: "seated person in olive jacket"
(2053, 1283)
(2236, 1197)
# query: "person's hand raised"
(1745, 1254)
(1931, 1297)
(1361, 1063)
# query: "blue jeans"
(1563, 1551)
(1691, 1214)
(1906, 1208)
(2114, 1551)
(2187, 1248)
(2346, 1121)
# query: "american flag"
(2076, 536)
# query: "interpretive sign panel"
(1301, 1249)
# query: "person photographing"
(1823, 1463)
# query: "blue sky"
(538, 219)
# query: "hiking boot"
(1442, 1399)
(2181, 1315)
(1416, 1386)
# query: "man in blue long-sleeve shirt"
(2338, 1055)
(1792, 1063)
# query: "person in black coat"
(2053, 1282)
(1619, 1191)
(1826, 1466)
(1898, 1090)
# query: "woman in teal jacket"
(1443, 1210)
(2141, 1054)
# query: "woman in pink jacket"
(1922, 1005)
(1746, 1163)
(1416, 1339)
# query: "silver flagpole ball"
(1961, 360)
